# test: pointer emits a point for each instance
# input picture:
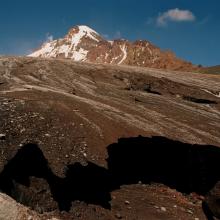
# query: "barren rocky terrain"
(99, 141)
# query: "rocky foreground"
(95, 141)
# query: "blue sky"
(190, 28)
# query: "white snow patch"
(106, 56)
(111, 42)
(124, 50)
(80, 55)
(46, 49)
(115, 58)
(89, 31)
(150, 51)
(216, 95)
(84, 31)
(64, 49)
(154, 59)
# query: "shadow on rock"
(187, 168)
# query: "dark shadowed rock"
(212, 200)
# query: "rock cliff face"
(84, 140)
(84, 44)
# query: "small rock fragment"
(2, 137)
(118, 216)
(127, 202)
(163, 209)
(78, 214)
(22, 130)
(189, 211)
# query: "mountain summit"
(75, 45)
(84, 44)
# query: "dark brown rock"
(212, 200)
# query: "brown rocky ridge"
(98, 141)
(86, 45)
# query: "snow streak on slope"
(124, 50)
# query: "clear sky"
(190, 28)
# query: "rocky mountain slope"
(98, 141)
(211, 70)
(84, 44)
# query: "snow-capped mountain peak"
(75, 45)
(82, 43)
(80, 31)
